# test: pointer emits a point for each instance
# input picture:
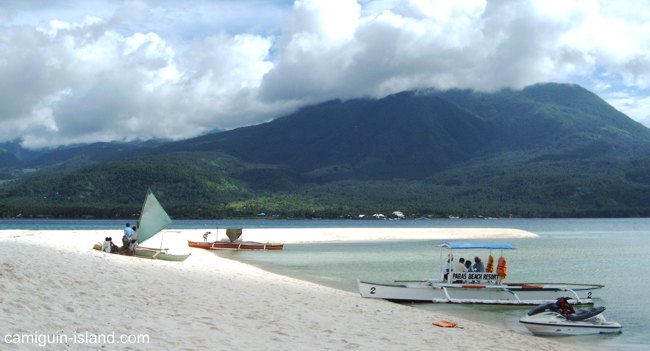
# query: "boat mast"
(144, 203)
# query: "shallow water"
(612, 252)
(603, 251)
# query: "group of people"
(130, 239)
(464, 265)
(109, 246)
(129, 242)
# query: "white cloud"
(85, 82)
(486, 45)
(120, 70)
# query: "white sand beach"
(55, 286)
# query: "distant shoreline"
(323, 234)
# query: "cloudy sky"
(79, 71)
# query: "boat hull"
(514, 294)
(145, 252)
(552, 324)
(226, 245)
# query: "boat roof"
(474, 245)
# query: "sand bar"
(52, 283)
(307, 235)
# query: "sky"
(82, 71)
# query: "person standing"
(134, 240)
(448, 267)
(126, 239)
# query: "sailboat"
(153, 219)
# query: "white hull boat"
(499, 294)
(483, 287)
(548, 320)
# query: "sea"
(612, 252)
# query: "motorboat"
(560, 319)
(480, 287)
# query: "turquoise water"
(613, 252)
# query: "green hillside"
(547, 150)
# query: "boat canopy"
(465, 245)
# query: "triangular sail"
(233, 233)
(153, 218)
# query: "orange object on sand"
(445, 324)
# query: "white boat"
(153, 219)
(477, 287)
(550, 320)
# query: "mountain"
(404, 135)
(546, 150)
(11, 153)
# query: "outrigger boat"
(478, 287)
(559, 319)
(234, 243)
(153, 219)
(242, 245)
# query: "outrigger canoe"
(478, 287)
(234, 243)
(241, 245)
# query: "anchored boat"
(234, 243)
(238, 245)
(482, 287)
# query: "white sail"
(153, 218)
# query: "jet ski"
(559, 318)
